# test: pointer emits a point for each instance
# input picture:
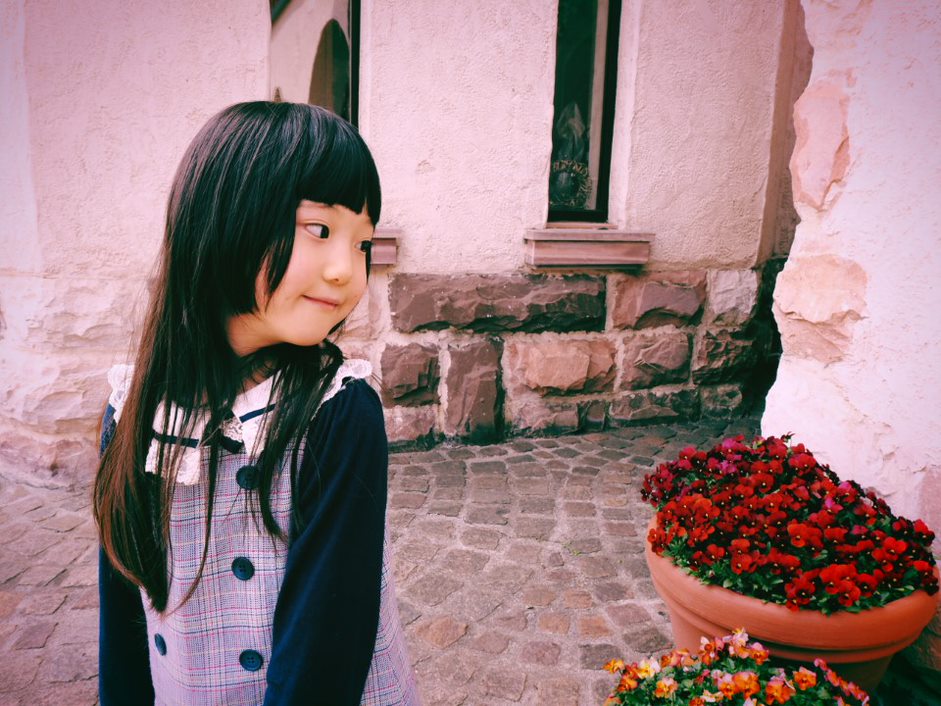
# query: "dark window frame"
(599, 214)
(279, 6)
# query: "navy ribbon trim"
(230, 445)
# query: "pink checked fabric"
(197, 658)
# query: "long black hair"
(231, 215)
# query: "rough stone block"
(410, 423)
(473, 409)
(490, 303)
(720, 401)
(650, 360)
(732, 296)
(539, 417)
(637, 407)
(562, 366)
(410, 374)
(817, 302)
(722, 355)
(657, 299)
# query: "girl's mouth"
(322, 301)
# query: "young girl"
(241, 493)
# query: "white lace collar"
(245, 429)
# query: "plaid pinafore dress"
(215, 648)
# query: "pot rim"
(900, 621)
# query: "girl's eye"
(318, 230)
(365, 246)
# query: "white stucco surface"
(103, 99)
(867, 399)
(456, 100)
(700, 132)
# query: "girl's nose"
(338, 268)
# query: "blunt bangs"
(339, 170)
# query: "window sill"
(385, 246)
(586, 245)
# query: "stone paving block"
(77, 663)
(596, 567)
(494, 496)
(433, 528)
(84, 599)
(522, 553)
(538, 596)
(577, 598)
(558, 691)
(531, 486)
(464, 562)
(504, 683)
(447, 508)
(407, 500)
(18, 670)
(68, 551)
(513, 620)
(556, 622)
(12, 531)
(40, 575)
(491, 642)
(485, 467)
(432, 589)
(44, 603)
(528, 470)
(593, 626)
(628, 616)
(82, 692)
(33, 635)
(413, 483)
(506, 578)
(579, 509)
(487, 515)
(481, 538)
(454, 493)
(541, 652)
(64, 521)
(537, 528)
(612, 591)
(407, 612)
(473, 604)
(9, 602)
(441, 631)
(537, 505)
(35, 542)
(595, 656)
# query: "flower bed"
(728, 670)
(767, 520)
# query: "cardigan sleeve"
(327, 613)
(123, 659)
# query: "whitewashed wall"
(99, 101)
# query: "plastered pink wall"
(858, 303)
(99, 102)
(694, 128)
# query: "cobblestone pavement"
(519, 567)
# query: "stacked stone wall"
(484, 356)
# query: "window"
(583, 120)
(334, 81)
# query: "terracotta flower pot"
(858, 646)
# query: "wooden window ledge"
(586, 247)
(385, 246)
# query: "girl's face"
(324, 280)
